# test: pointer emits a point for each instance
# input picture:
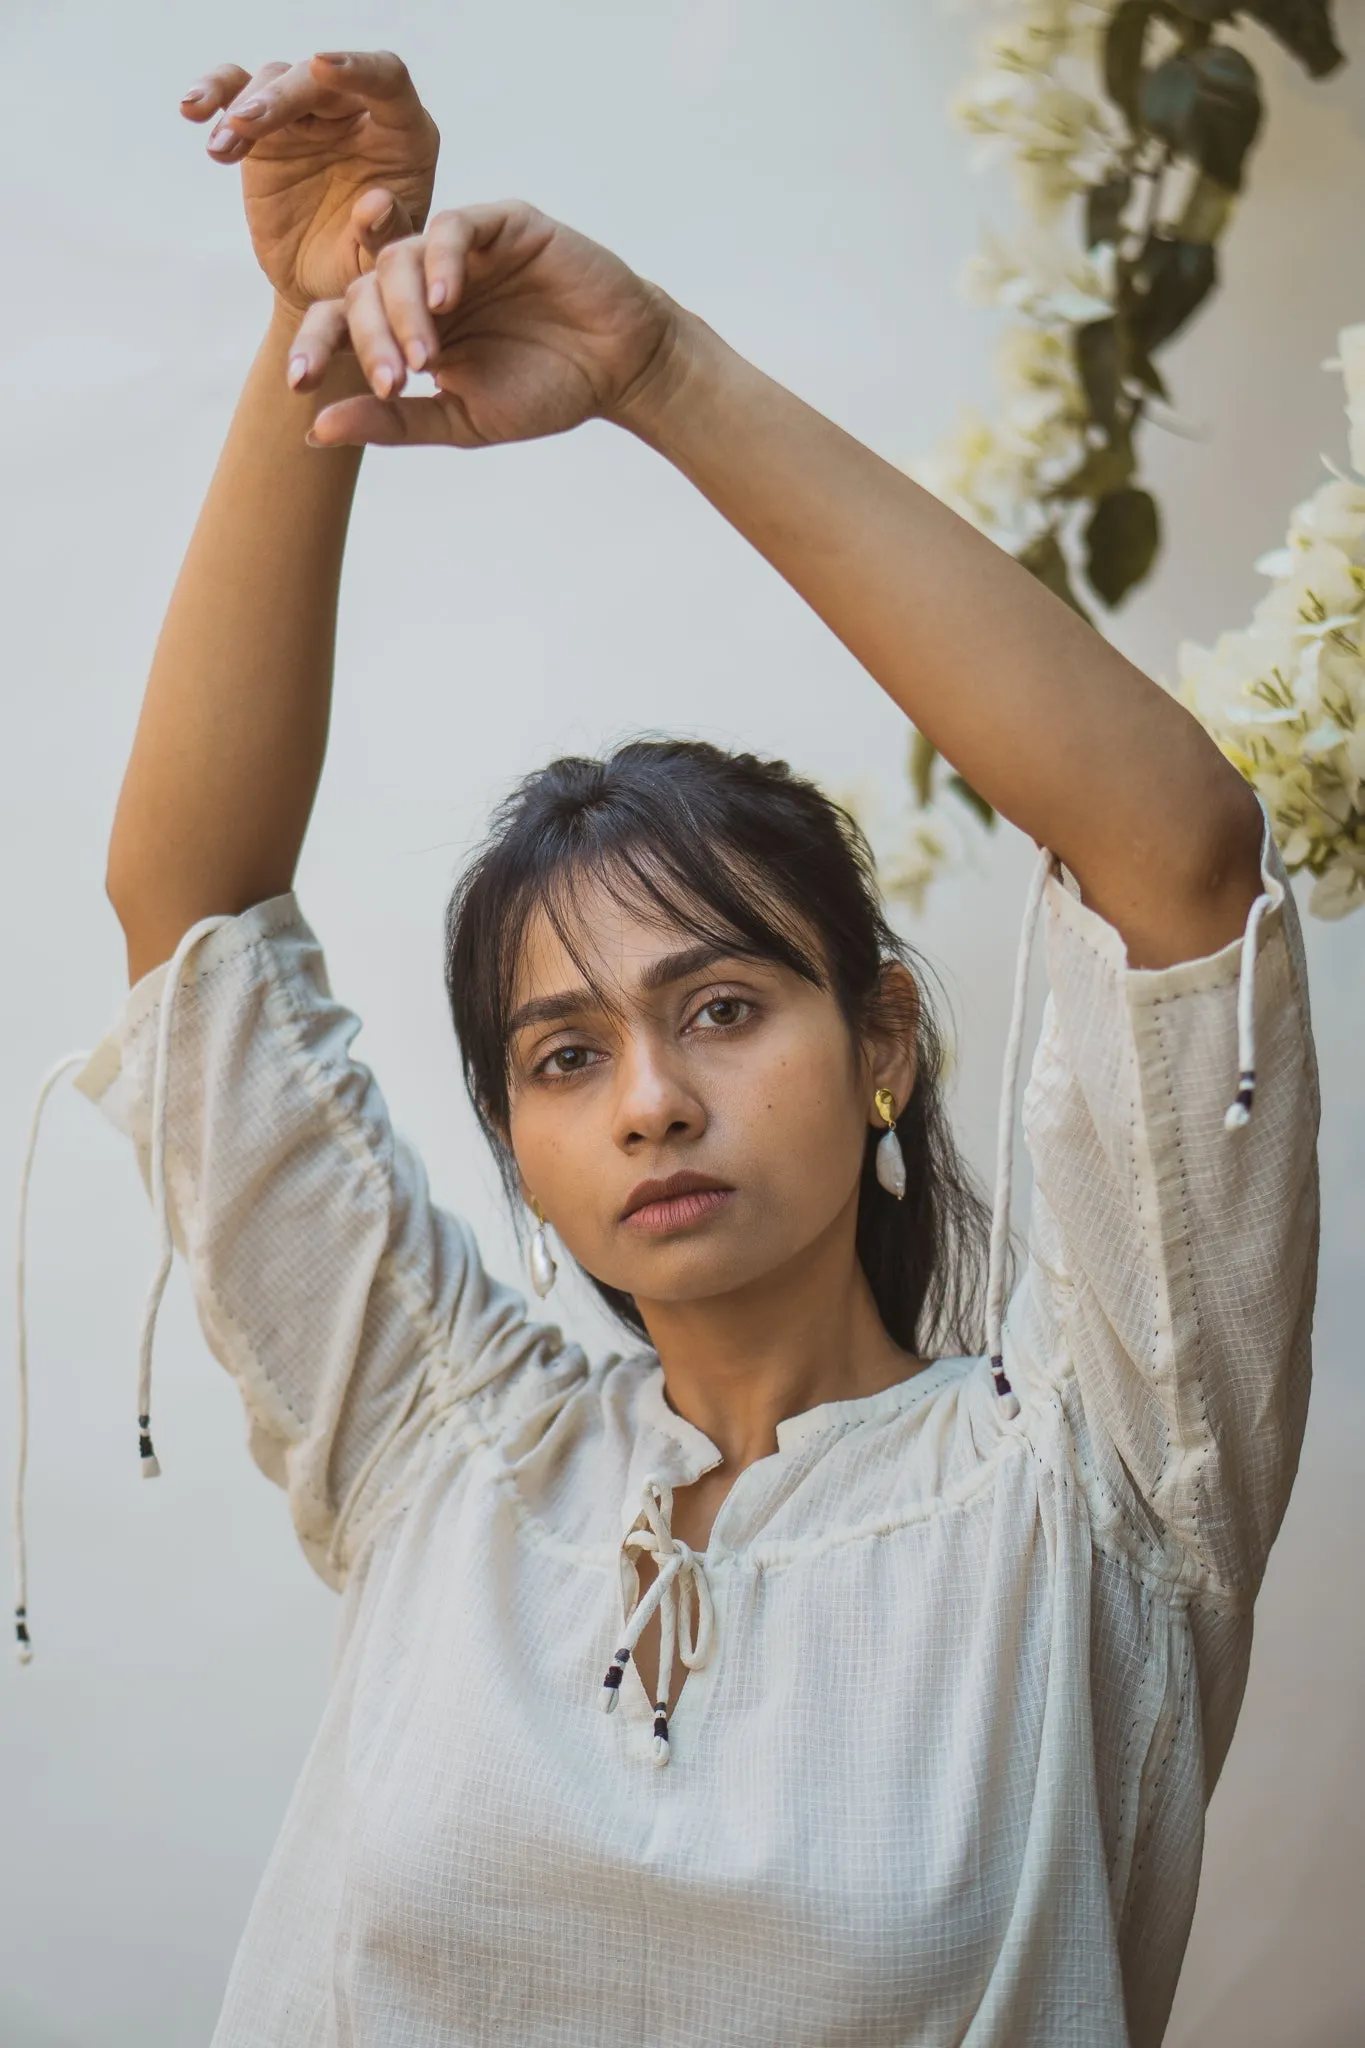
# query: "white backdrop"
(788, 169)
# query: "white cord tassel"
(1239, 1110)
(151, 1469)
(1004, 1150)
(23, 1645)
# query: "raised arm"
(1063, 735)
(1050, 723)
(230, 742)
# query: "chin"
(696, 1272)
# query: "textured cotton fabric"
(942, 1779)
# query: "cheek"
(557, 1140)
(801, 1122)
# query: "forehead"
(595, 937)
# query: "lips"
(670, 1204)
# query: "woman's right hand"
(526, 326)
(338, 155)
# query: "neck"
(737, 1364)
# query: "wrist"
(690, 361)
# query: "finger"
(213, 91)
(401, 422)
(377, 77)
(243, 123)
(401, 276)
(338, 83)
(322, 332)
(452, 237)
(372, 338)
(282, 93)
(377, 218)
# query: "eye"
(720, 1013)
(565, 1061)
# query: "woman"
(942, 1649)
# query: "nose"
(654, 1098)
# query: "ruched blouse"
(962, 1680)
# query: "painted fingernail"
(250, 110)
(436, 294)
(381, 382)
(220, 140)
(298, 370)
(196, 92)
(416, 353)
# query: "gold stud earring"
(890, 1158)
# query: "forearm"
(1054, 727)
(233, 729)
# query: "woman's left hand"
(527, 327)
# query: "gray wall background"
(788, 170)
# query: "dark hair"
(743, 853)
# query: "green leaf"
(1145, 372)
(1176, 278)
(1121, 541)
(1104, 206)
(1206, 211)
(1099, 362)
(1205, 104)
(1167, 100)
(923, 754)
(1228, 114)
(1305, 29)
(1123, 46)
(1103, 470)
(1044, 559)
(960, 787)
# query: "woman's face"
(733, 1082)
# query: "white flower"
(1285, 697)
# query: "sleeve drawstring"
(161, 1212)
(1004, 1149)
(1239, 1109)
(165, 1254)
(22, 1644)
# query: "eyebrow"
(660, 973)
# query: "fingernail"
(381, 383)
(196, 92)
(313, 442)
(298, 370)
(250, 110)
(416, 353)
(221, 139)
(332, 57)
(378, 226)
(436, 295)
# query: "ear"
(891, 1060)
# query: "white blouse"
(962, 1681)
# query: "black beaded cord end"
(660, 1732)
(23, 1647)
(1009, 1400)
(151, 1469)
(1239, 1111)
(611, 1684)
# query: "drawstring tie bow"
(680, 1582)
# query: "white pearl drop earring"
(542, 1265)
(890, 1158)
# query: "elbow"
(1229, 848)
